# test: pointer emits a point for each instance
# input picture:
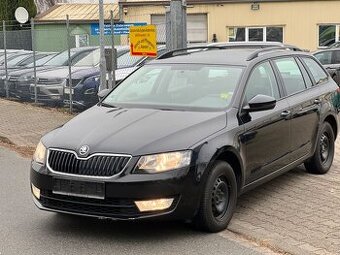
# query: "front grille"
(13, 78)
(97, 165)
(45, 81)
(109, 207)
(75, 82)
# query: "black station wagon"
(183, 136)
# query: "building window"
(255, 34)
(237, 34)
(328, 34)
(274, 34)
(82, 40)
(197, 28)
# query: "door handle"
(285, 114)
(317, 101)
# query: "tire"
(322, 159)
(218, 200)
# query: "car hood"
(85, 73)
(30, 70)
(135, 131)
(59, 72)
(120, 73)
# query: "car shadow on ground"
(121, 230)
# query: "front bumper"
(120, 194)
(48, 93)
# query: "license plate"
(79, 188)
(67, 91)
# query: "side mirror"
(103, 93)
(260, 103)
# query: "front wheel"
(322, 160)
(219, 198)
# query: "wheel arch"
(232, 157)
(332, 121)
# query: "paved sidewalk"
(24, 124)
(298, 213)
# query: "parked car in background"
(85, 85)
(255, 45)
(20, 80)
(51, 82)
(10, 53)
(19, 62)
(330, 59)
(184, 135)
(335, 45)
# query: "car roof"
(219, 56)
(324, 50)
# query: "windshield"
(126, 60)
(91, 59)
(15, 60)
(61, 59)
(42, 61)
(29, 60)
(185, 86)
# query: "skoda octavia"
(183, 136)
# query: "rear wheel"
(322, 159)
(218, 200)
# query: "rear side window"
(324, 57)
(262, 81)
(290, 74)
(336, 57)
(318, 73)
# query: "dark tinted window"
(324, 57)
(306, 77)
(255, 34)
(336, 57)
(262, 81)
(274, 34)
(327, 35)
(318, 73)
(291, 75)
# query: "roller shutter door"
(197, 27)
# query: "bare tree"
(43, 5)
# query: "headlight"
(40, 153)
(164, 162)
(26, 78)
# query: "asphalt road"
(26, 230)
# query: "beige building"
(305, 23)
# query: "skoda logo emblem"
(84, 150)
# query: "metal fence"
(36, 61)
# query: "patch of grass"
(24, 151)
(5, 140)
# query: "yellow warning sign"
(143, 41)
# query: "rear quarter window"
(319, 75)
(291, 75)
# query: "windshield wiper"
(107, 105)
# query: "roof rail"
(170, 54)
(258, 52)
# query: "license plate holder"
(75, 188)
(68, 91)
